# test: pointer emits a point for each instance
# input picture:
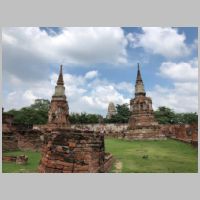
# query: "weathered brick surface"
(9, 141)
(9, 158)
(24, 140)
(183, 132)
(21, 159)
(30, 140)
(142, 124)
(59, 111)
(68, 150)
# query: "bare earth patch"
(118, 167)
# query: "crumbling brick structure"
(9, 141)
(184, 132)
(30, 140)
(68, 150)
(142, 124)
(19, 136)
(9, 136)
(73, 151)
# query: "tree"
(122, 116)
(165, 115)
(84, 118)
(37, 113)
(187, 118)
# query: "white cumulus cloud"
(183, 95)
(183, 71)
(91, 74)
(28, 49)
(163, 41)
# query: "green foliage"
(165, 115)
(122, 115)
(187, 118)
(84, 118)
(35, 114)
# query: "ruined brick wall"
(21, 137)
(9, 141)
(184, 132)
(18, 137)
(97, 127)
(112, 130)
(72, 151)
(92, 127)
(30, 140)
(9, 136)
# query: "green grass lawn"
(30, 167)
(163, 156)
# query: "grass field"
(30, 167)
(152, 156)
(131, 156)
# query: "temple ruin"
(59, 111)
(142, 124)
(77, 148)
(111, 110)
(70, 150)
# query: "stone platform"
(145, 133)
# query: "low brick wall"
(9, 158)
(9, 141)
(21, 159)
(97, 127)
(183, 132)
(30, 140)
(26, 138)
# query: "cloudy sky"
(100, 66)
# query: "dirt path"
(118, 166)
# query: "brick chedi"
(59, 111)
(67, 150)
(111, 110)
(142, 124)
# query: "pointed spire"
(139, 77)
(60, 78)
(139, 86)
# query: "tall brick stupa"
(69, 150)
(59, 111)
(142, 124)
